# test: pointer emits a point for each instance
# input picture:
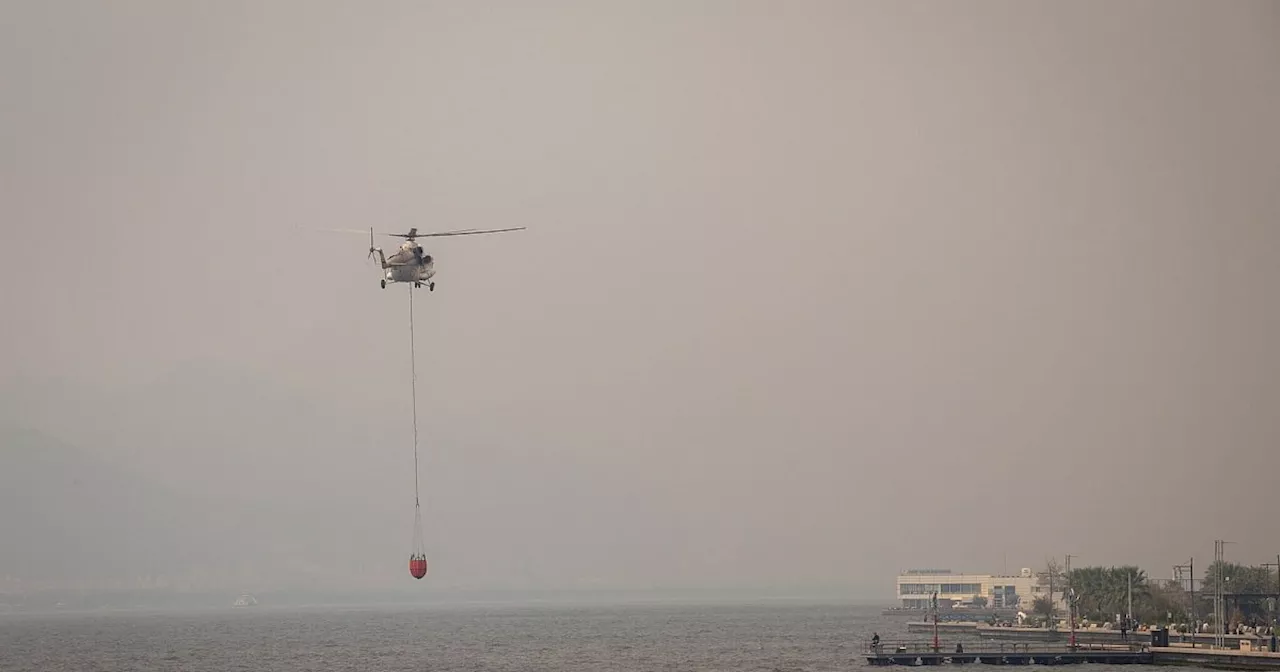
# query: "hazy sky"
(811, 291)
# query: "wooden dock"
(1001, 653)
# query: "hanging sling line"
(418, 559)
(413, 369)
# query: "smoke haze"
(810, 292)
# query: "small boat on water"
(245, 600)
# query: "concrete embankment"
(1215, 658)
(1083, 636)
(1102, 636)
(1031, 651)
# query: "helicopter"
(411, 263)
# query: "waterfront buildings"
(915, 587)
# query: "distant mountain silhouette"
(65, 514)
(71, 514)
(67, 517)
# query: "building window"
(961, 588)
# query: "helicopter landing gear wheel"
(384, 284)
(431, 287)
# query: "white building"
(916, 587)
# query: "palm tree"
(1132, 581)
(1103, 592)
(1092, 590)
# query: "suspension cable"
(413, 369)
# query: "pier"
(1048, 653)
(1001, 653)
(1091, 635)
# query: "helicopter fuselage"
(414, 273)
(409, 264)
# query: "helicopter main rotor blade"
(411, 236)
(459, 232)
(360, 231)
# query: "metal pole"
(1220, 595)
(1049, 617)
(1192, 585)
(935, 622)
(1188, 570)
(1276, 605)
(1129, 616)
(1217, 594)
(1071, 606)
(1274, 601)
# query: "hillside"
(65, 515)
(70, 519)
(207, 485)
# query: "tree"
(1044, 607)
(1052, 578)
(1166, 603)
(979, 601)
(1089, 584)
(1103, 592)
(1238, 580)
